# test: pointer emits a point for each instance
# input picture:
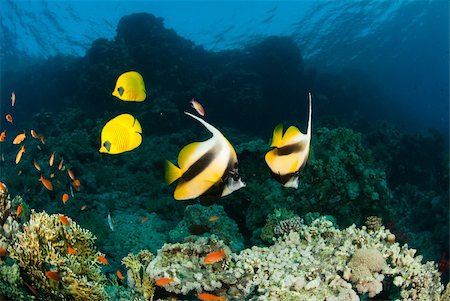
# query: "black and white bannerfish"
(205, 168)
(290, 152)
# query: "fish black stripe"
(201, 164)
(289, 149)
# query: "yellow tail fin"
(172, 173)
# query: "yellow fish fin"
(188, 155)
(172, 173)
(277, 136)
(191, 190)
(270, 158)
(130, 87)
(291, 136)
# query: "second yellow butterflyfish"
(121, 134)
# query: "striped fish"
(209, 167)
(289, 152)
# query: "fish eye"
(120, 90)
(236, 177)
(107, 145)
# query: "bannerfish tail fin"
(172, 173)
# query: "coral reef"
(319, 262)
(138, 278)
(201, 220)
(43, 247)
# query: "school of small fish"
(204, 169)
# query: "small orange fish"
(71, 174)
(65, 198)
(144, 219)
(76, 184)
(34, 134)
(82, 208)
(214, 218)
(9, 118)
(47, 184)
(2, 186)
(19, 210)
(214, 257)
(60, 165)
(163, 281)
(52, 159)
(3, 252)
(52, 275)
(198, 107)
(19, 138)
(3, 136)
(63, 219)
(13, 98)
(71, 250)
(102, 259)
(119, 275)
(210, 297)
(42, 139)
(36, 165)
(20, 153)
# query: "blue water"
(401, 45)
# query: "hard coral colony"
(51, 257)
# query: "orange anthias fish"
(214, 218)
(3, 136)
(9, 118)
(19, 138)
(102, 259)
(47, 184)
(60, 165)
(3, 252)
(76, 184)
(63, 219)
(65, 197)
(144, 219)
(13, 98)
(210, 297)
(198, 107)
(214, 257)
(34, 134)
(52, 159)
(36, 165)
(71, 250)
(55, 276)
(71, 174)
(119, 275)
(163, 281)
(19, 154)
(19, 210)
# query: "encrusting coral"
(43, 247)
(318, 262)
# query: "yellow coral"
(42, 247)
(136, 265)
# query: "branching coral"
(137, 277)
(43, 247)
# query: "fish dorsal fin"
(308, 130)
(210, 128)
(291, 136)
(189, 154)
(277, 136)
